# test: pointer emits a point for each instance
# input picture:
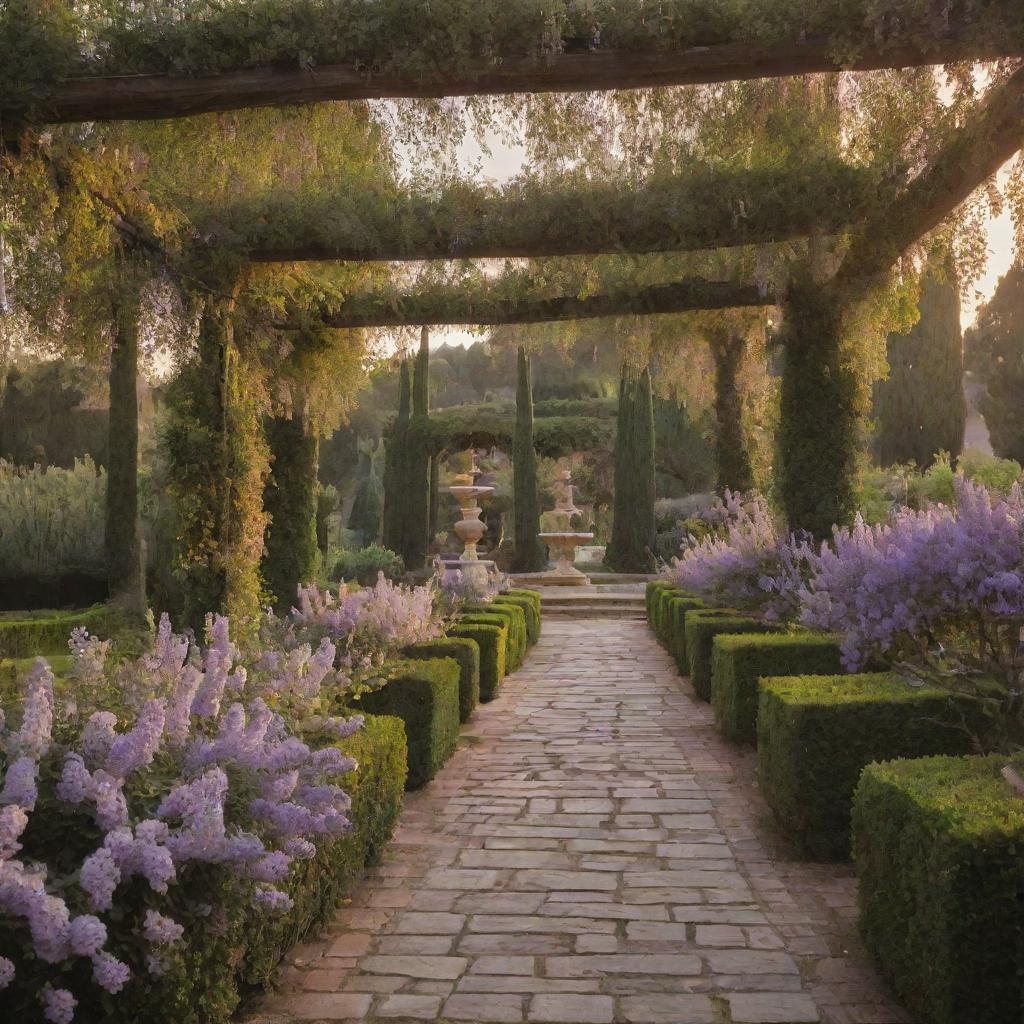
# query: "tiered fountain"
(561, 539)
(469, 528)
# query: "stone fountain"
(560, 538)
(469, 528)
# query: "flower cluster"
(456, 588)
(751, 565)
(207, 768)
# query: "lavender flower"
(58, 1005)
(110, 973)
(87, 935)
(6, 972)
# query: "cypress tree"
(632, 543)
(921, 408)
(366, 506)
(417, 471)
(291, 553)
(528, 555)
(734, 470)
(394, 466)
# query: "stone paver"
(595, 854)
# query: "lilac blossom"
(160, 930)
(58, 1005)
(6, 972)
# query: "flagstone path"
(594, 853)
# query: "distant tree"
(366, 506)
(395, 463)
(417, 464)
(528, 555)
(685, 458)
(995, 351)
(921, 409)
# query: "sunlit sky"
(504, 162)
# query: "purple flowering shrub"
(749, 565)
(941, 589)
(180, 808)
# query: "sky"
(504, 162)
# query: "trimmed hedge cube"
(815, 734)
(531, 612)
(425, 695)
(650, 593)
(701, 626)
(678, 606)
(662, 622)
(47, 633)
(467, 654)
(515, 630)
(491, 641)
(938, 845)
(738, 661)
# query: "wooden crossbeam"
(457, 305)
(151, 96)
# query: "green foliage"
(937, 485)
(51, 520)
(650, 590)
(674, 613)
(995, 351)
(998, 475)
(815, 734)
(395, 461)
(365, 517)
(326, 505)
(509, 616)
(425, 695)
(291, 554)
(48, 633)
(820, 415)
(700, 627)
(738, 663)
(684, 458)
(631, 548)
(530, 609)
(937, 843)
(415, 489)
(467, 654)
(364, 565)
(921, 409)
(318, 887)
(734, 469)
(528, 555)
(492, 641)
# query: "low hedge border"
(425, 695)
(678, 606)
(533, 596)
(28, 637)
(662, 623)
(531, 612)
(491, 641)
(516, 618)
(701, 626)
(938, 845)
(739, 661)
(815, 734)
(467, 653)
(498, 617)
(650, 593)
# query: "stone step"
(584, 611)
(564, 598)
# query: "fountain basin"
(563, 551)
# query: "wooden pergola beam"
(151, 96)
(457, 305)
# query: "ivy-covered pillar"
(631, 548)
(820, 415)
(291, 554)
(123, 531)
(528, 555)
(734, 469)
(395, 443)
(417, 480)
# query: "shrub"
(938, 848)
(678, 606)
(651, 591)
(515, 616)
(467, 654)
(738, 662)
(512, 637)
(491, 639)
(816, 733)
(52, 520)
(660, 622)
(701, 626)
(24, 638)
(531, 610)
(425, 695)
(366, 564)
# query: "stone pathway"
(594, 853)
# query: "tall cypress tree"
(417, 471)
(528, 555)
(394, 466)
(734, 470)
(632, 543)
(921, 408)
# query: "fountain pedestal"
(469, 528)
(562, 540)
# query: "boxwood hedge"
(47, 633)
(815, 734)
(938, 844)
(738, 661)
(425, 695)
(515, 631)
(531, 611)
(661, 622)
(651, 592)
(490, 638)
(700, 627)
(467, 653)
(678, 606)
